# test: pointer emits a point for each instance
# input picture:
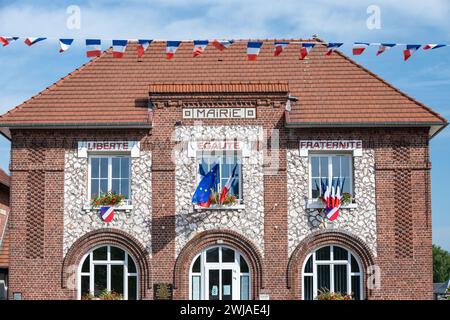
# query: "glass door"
(222, 284)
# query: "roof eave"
(115, 125)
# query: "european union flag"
(203, 191)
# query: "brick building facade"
(147, 128)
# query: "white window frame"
(206, 266)
(332, 263)
(220, 155)
(330, 170)
(108, 262)
(110, 178)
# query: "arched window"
(332, 268)
(219, 273)
(108, 269)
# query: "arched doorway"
(219, 273)
(108, 269)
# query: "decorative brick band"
(211, 238)
(321, 238)
(113, 237)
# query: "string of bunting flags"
(94, 46)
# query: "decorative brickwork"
(403, 206)
(35, 214)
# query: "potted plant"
(229, 199)
(325, 294)
(107, 202)
(104, 295)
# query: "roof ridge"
(391, 86)
(56, 83)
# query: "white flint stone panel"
(360, 221)
(78, 222)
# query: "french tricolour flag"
(222, 44)
(142, 47)
(433, 46)
(279, 47)
(119, 47)
(107, 213)
(332, 46)
(228, 185)
(305, 49)
(7, 40)
(410, 49)
(253, 49)
(359, 47)
(199, 47)
(94, 47)
(31, 41)
(171, 48)
(384, 47)
(65, 44)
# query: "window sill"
(125, 208)
(316, 205)
(218, 207)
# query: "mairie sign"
(219, 113)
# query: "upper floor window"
(109, 173)
(228, 162)
(329, 168)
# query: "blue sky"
(426, 76)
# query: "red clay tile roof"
(109, 91)
(239, 87)
(4, 178)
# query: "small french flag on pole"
(433, 46)
(305, 49)
(332, 46)
(142, 47)
(279, 47)
(199, 47)
(222, 44)
(119, 47)
(7, 40)
(384, 47)
(171, 48)
(410, 49)
(31, 41)
(94, 47)
(253, 48)
(65, 44)
(359, 48)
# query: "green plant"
(441, 264)
(325, 294)
(104, 295)
(346, 198)
(108, 199)
(214, 199)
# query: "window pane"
(336, 163)
(245, 288)
(323, 253)
(323, 277)
(315, 167)
(340, 253)
(212, 255)
(116, 167)
(103, 186)
(117, 254)
(100, 253)
(355, 267)
(309, 265)
(117, 278)
(356, 287)
(324, 167)
(227, 255)
(315, 184)
(244, 265)
(345, 165)
(99, 279)
(86, 264)
(213, 285)
(95, 167)
(132, 288)
(115, 186)
(197, 264)
(84, 286)
(227, 284)
(308, 283)
(131, 265)
(125, 168)
(94, 188)
(340, 278)
(125, 187)
(103, 167)
(196, 288)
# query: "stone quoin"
(282, 131)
